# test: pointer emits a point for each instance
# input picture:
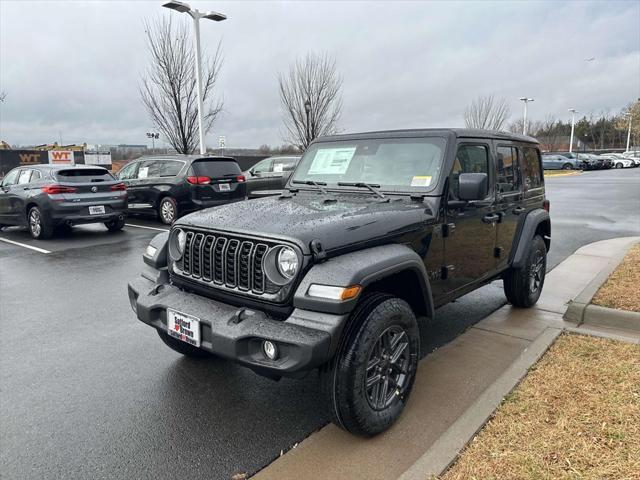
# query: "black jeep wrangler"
(343, 271)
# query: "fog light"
(270, 350)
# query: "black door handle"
(490, 218)
(518, 210)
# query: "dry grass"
(622, 289)
(575, 416)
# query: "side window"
(284, 164)
(469, 159)
(507, 169)
(532, 172)
(35, 176)
(263, 166)
(24, 177)
(167, 168)
(11, 178)
(128, 171)
(149, 168)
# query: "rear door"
(216, 180)
(154, 178)
(508, 200)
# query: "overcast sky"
(72, 69)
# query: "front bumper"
(305, 340)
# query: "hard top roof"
(184, 157)
(432, 132)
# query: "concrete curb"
(577, 307)
(610, 317)
(446, 449)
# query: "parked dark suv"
(269, 176)
(173, 185)
(344, 271)
(42, 197)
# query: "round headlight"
(177, 242)
(287, 262)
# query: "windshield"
(398, 164)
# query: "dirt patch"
(622, 288)
(561, 173)
(575, 415)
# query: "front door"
(508, 200)
(129, 176)
(7, 197)
(471, 228)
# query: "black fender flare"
(363, 268)
(534, 219)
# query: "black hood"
(336, 220)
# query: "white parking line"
(148, 228)
(40, 250)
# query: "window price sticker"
(421, 181)
(331, 161)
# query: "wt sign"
(61, 157)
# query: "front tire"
(369, 381)
(182, 347)
(39, 227)
(168, 210)
(567, 166)
(619, 165)
(522, 286)
(115, 225)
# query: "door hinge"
(444, 271)
(497, 252)
(448, 229)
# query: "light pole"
(573, 124)
(524, 123)
(307, 109)
(629, 133)
(183, 7)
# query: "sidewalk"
(457, 387)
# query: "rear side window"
(215, 168)
(532, 172)
(84, 175)
(24, 177)
(507, 180)
(469, 159)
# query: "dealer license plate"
(96, 210)
(224, 187)
(183, 327)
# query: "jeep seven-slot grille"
(227, 262)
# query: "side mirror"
(473, 186)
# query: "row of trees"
(311, 100)
(600, 131)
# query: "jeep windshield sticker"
(421, 181)
(331, 161)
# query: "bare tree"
(3, 95)
(314, 81)
(487, 113)
(533, 126)
(549, 134)
(168, 87)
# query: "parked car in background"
(606, 161)
(42, 197)
(269, 176)
(619, 161)
(633, 155)
(559, 162)
(581, 163)
(172, 185)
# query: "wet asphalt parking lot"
(87, 391)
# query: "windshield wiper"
(312, 182)
(370, 186)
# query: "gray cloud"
(72, 68)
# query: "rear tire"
(522, 286)
(40, 227)
(369, 380)
(182, 347)
(167, 210)
(115, 225)
(619, 165)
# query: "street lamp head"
(573, 110)
(215, 16)
(181, 7)
(307, 106)
(525, 99)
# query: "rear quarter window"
(215, 168)
(532, 170)
(84, 175)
